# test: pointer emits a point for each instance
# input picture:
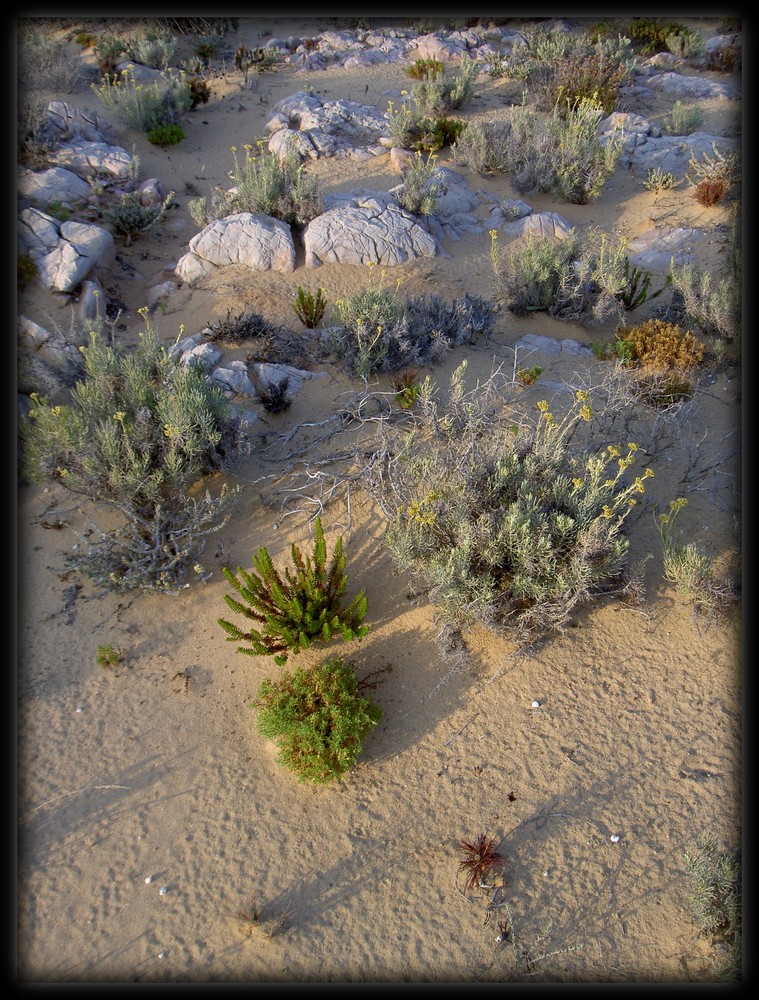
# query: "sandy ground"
(153, 769)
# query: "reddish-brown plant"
(709, 192)
(481, 857)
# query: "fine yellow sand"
(153, 769)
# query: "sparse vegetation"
(129, 216)
(504, 523)
(480, 858)
(714, 879)
(310, 308)
(689, 567)
(138, 435)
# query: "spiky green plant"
(317, 718)
(310, 308)
(714, 880)
(293, 611)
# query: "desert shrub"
(637, 285)
(711, 192)
(423, 69)
(292, 612)
(165, 135)
(44, 62)
(505, 524)
(242, 326)
(683, 119)
(562, 155)
(688, 566)
(663, 356)
(714, 305)
(145, 106)
(260, 59)
(129, 216)
(650, 35)
(200, 92)
(310, 308)
(435, 96)
(27, 270)
(85, 38)
(686, 45)
(407, 388)
(714, 882)
(725, 58)
(483, 147)
(267, 183)
(418, 193)
(409, 128)
(317, 718)
(109, 49)
(376, 332)
(155, 49)
(480, 858)
(596, 73)
(579, 278)
(659, 180)
(140, 432)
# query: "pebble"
(614, 838)
(536, 704)
(148, 880)
(163, 890)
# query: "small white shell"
(148, 880)
(536, 704)
(162, 954)
(163, 890)
(614, 838)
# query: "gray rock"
(248, 239)
(546, 224)
(672, 153)
(233, 379)
(95, 159)
(364, 228)
(66, 122)
(680, 87)
(65, 253)
(55, 184)
(656, 248)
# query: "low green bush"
(317, 718)
(436, 95)
(165, 135)
(310, 308)
(483, 147)
(505, 524)
(141, 431)
(562, 155)
(129, 216)
(419, 193)
(146, 106)
(292, 612)
(273, 185)
(377, 332)
(579, 278)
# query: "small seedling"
(528, 376)
(407, 388)
(108, 656)
(481, 858)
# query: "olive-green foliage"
(155, 49)
(145, 106)
(436, 95)
(309, 308)
(376, 331)
(714, 880)
(683, 119)
(129, 216)
(266, 183)
(292, 612)
(419, 193)
(483, 147)
(650, 35)
(423, 69)
(688, 566)
(596, 72)
(578, 278)
(506, 525)
(165, 135)
(318, 720)
(637, 284)
(140, 431)
(27, 270)
(562, 155)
